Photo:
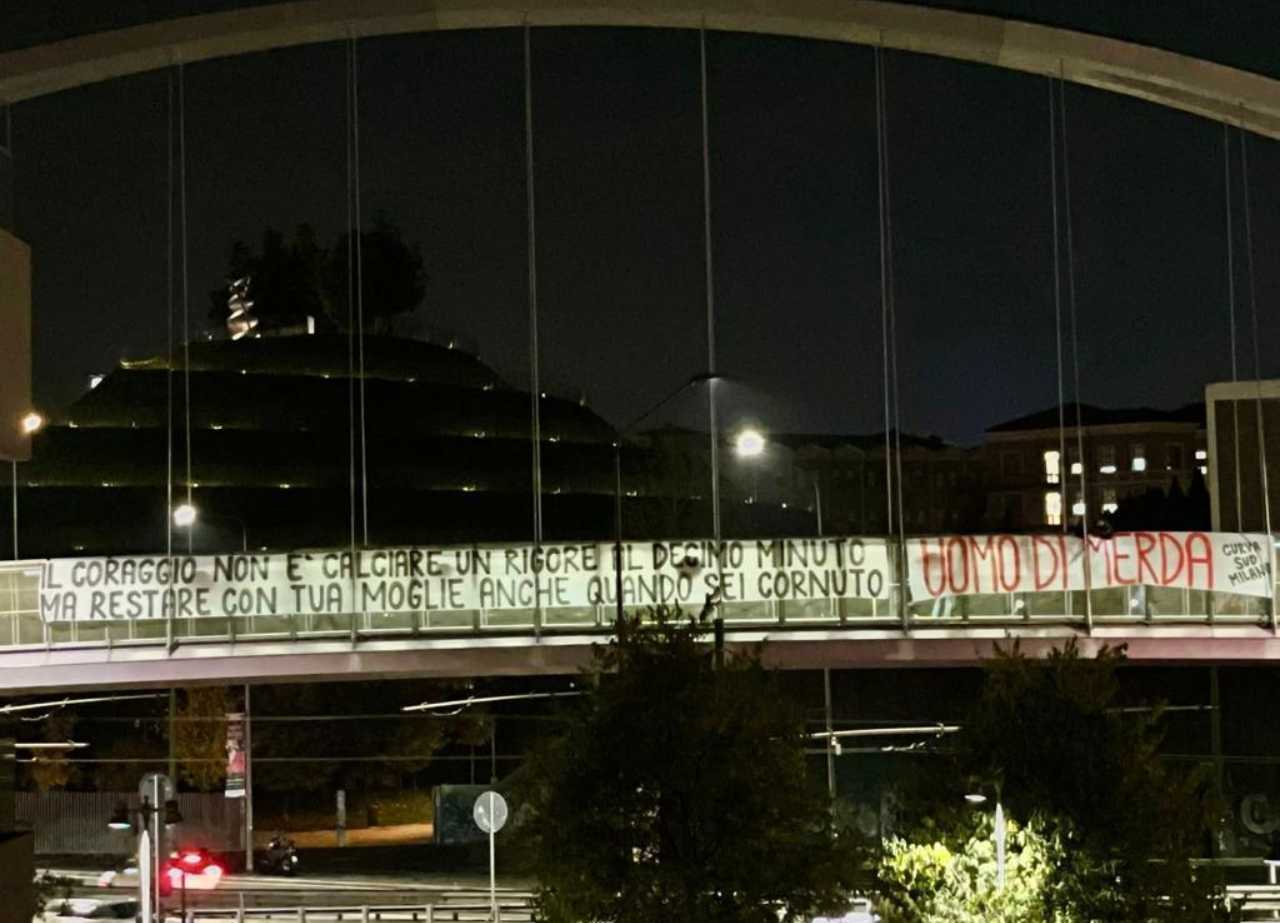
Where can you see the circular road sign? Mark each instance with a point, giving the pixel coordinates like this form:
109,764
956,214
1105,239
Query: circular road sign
490,812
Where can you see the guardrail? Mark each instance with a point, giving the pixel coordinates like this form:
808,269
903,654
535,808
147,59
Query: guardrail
512,911
770,597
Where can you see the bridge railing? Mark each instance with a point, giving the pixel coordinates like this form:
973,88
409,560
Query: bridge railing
43,606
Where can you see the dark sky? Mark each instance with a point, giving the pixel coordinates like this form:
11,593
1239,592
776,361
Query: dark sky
619,214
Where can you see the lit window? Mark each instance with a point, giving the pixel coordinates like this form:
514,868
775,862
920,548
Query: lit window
1201,454
1053,468
1107,469
1204,470
1139,460
1076,468
1077,508
1109,504
1107,456
1052,508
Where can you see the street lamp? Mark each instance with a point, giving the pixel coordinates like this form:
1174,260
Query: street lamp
749,443
976,797
32,423
700,378
185,516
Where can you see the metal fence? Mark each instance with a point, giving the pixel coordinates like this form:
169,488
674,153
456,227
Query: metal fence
75,823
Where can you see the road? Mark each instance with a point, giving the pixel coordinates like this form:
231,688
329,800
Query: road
448,893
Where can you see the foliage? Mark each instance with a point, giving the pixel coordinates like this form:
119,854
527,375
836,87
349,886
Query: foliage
1087,776
1159,509
296,279
200,736
679,792
933,882
51,768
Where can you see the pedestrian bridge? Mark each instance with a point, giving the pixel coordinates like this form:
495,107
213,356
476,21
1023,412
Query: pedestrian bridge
523,609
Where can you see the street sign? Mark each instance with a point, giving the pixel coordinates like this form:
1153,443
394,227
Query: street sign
156,788
490,812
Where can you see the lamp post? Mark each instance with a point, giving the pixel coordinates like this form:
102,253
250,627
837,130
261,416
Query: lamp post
700,378
185,516
978,797
30,424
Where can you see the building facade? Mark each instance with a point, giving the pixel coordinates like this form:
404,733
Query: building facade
1042,474
1244,446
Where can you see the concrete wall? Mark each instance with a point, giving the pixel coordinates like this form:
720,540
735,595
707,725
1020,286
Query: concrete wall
15,344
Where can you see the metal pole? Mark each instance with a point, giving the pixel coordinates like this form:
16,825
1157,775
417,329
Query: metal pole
831,758
156,844
817,501
1000,835
15,509
617,525
248,784
493,755
173,754
493,877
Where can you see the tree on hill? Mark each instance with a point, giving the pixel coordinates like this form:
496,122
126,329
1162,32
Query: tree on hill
678,791
291,280
1117,825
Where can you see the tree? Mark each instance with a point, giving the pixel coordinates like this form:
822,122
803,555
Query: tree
1088,778
50,768
290,281
200,736
679,792
957,883
393,281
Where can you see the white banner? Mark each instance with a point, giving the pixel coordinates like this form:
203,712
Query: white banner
957,565
421,579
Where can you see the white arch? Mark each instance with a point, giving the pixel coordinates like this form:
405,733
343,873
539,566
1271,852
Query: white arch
1177,81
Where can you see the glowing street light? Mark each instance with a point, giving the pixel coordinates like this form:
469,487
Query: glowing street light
184,515
32,423
749,443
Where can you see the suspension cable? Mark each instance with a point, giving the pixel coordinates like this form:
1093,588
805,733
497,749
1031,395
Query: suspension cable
168,502
1257,362
359,235
893,449
1075,346
1231,316
535,384
1063,509
884,308
352,231
186,292
709,268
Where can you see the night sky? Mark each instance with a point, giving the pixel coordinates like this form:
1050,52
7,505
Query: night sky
618,174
